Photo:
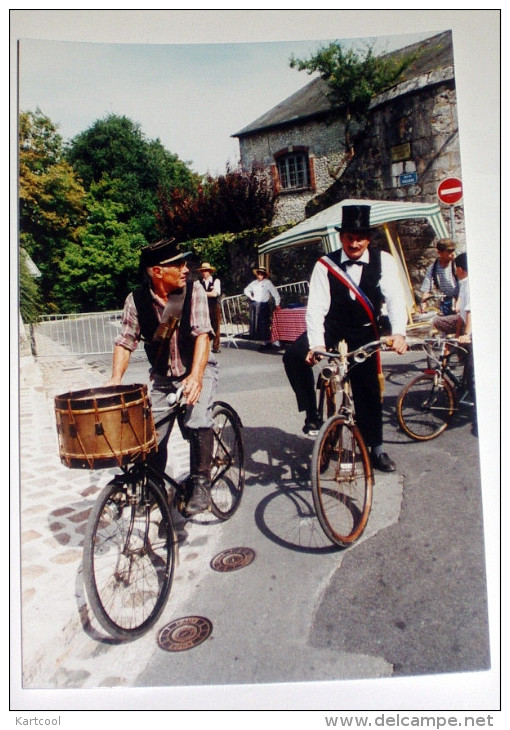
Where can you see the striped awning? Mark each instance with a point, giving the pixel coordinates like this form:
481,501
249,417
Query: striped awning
322,225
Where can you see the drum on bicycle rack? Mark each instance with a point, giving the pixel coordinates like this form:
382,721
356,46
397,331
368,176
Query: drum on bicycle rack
103,427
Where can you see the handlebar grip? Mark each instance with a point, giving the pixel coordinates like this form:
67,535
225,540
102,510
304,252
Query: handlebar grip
173,398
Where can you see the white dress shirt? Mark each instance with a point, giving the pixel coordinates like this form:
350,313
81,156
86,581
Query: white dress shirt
319,297
262,291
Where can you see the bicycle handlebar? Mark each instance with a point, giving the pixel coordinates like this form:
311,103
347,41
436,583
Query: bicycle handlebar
360,354
175,399
442,341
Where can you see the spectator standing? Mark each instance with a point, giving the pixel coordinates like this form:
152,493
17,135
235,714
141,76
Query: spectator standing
212,286
260,292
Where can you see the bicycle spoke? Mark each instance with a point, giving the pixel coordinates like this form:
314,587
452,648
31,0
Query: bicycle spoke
425,407
227,476
341,481
128,561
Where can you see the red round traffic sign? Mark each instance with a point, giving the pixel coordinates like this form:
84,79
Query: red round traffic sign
450,190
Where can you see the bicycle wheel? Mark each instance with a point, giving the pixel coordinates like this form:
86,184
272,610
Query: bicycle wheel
425,406
227,476
342,481
128,556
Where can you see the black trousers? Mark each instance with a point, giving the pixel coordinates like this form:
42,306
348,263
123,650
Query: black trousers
260,321
364,382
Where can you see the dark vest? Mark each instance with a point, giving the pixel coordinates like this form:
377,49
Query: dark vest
346,318
209,284
149,322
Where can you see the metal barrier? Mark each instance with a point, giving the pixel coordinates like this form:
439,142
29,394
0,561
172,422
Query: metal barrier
236,310
76,334
93,333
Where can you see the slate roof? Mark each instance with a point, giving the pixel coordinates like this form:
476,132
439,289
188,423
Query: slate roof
312,100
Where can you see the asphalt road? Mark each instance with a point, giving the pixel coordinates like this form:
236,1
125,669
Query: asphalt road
408,599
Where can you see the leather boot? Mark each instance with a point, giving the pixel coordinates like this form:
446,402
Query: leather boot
201,446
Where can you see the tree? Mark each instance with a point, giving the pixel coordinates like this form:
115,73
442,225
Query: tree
354,79
233,202
98,271
51,198
114,148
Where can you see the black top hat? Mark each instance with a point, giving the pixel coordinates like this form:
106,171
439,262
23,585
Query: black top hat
355,219
162,252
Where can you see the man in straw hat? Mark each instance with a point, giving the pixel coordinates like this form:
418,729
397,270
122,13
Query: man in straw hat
170,314
212,286
260,292
347,289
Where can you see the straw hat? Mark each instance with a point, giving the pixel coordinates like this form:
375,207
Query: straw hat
206,266
260,270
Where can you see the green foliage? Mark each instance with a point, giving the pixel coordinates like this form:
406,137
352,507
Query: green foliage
85,212
354,78
97,272
233,202
114,151
51,198
234,255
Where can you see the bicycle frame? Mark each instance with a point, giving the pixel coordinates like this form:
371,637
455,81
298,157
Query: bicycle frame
440,365
334,376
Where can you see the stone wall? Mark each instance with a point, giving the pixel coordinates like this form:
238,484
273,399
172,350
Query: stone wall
411,144
324,141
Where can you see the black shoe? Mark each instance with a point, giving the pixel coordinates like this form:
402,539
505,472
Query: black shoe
312,427
266,347
200,499
382,462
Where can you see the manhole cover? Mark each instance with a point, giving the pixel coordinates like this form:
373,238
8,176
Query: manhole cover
232,559
184,633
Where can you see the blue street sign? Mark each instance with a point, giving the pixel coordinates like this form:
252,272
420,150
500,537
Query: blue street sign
408,178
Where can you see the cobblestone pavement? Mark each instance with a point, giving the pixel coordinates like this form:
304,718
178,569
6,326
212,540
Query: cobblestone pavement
62,645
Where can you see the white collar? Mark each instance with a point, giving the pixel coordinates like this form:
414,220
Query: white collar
365,257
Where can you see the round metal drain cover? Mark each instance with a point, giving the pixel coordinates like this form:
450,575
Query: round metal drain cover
184,633
232,559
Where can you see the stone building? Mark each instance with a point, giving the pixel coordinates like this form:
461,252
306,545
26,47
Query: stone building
409,145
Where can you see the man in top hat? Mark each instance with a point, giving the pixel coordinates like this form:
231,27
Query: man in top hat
170,314
347,289
212,286
260,292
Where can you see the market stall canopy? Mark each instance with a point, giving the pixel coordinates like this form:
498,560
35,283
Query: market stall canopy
383,213
322,225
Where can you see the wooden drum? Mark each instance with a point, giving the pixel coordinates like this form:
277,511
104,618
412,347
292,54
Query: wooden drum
104,427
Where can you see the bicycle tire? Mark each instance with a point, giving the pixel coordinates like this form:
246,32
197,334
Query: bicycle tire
128,557
342,481
227,475
425,406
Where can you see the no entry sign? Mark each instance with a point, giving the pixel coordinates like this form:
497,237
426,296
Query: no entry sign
450,190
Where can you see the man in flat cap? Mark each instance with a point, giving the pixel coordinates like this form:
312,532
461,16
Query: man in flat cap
171,315
347,289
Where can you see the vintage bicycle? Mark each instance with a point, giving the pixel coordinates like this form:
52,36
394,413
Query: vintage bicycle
341,471
130,544
427,404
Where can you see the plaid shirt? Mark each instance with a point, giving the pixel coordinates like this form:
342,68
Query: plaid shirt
200,322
